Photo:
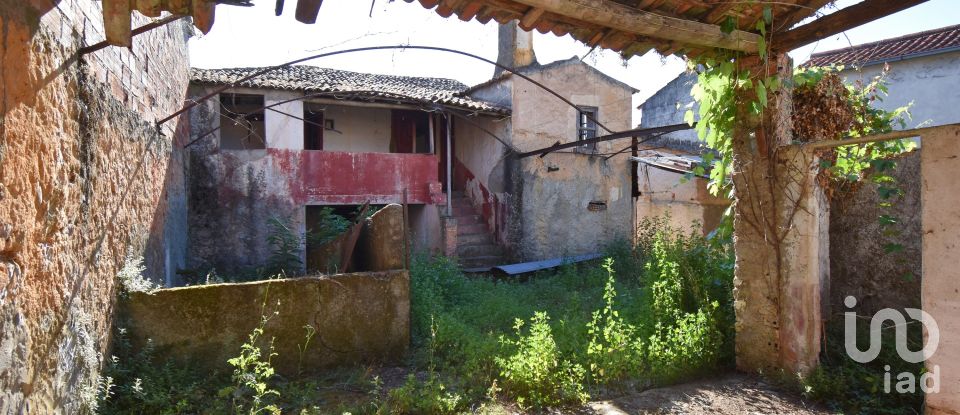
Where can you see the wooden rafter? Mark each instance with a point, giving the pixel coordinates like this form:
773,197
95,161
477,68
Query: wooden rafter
624,18
839,21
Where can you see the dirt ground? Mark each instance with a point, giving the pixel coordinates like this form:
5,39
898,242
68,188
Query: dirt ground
728,394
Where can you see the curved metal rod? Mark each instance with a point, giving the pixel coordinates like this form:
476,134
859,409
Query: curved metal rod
340,52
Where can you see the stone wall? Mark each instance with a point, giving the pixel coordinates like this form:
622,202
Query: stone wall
359,318
859,265
686,202
558,188
85,178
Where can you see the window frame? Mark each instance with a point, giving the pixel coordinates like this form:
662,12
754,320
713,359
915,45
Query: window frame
587,127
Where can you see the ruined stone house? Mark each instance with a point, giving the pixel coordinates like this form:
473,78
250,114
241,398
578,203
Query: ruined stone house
340,139
328,138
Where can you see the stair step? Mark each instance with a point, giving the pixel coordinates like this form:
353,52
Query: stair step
461,210
481,261
469,220
471,229
487,249
474,239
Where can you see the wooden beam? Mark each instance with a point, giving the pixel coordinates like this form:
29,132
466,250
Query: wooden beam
613,15
786,20
529,19
839,21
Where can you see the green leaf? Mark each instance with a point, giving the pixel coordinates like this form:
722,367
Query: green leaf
768,14
887,220
892,247
762,94
688,117
728,25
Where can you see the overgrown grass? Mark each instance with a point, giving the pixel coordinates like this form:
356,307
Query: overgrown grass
654,313
857,388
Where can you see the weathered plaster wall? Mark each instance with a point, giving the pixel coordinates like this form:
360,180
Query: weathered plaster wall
234,193
859,265
668,107
686,202
482,169
282,131
924,81
939,163
558,187
360,129
425,229
85,177
360,318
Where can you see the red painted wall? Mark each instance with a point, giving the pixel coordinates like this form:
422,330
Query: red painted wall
329,177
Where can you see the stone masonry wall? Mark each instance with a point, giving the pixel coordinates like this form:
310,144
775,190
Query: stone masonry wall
558,188
859,266
85,178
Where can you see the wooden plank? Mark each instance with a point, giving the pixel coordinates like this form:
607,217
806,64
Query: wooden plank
529,19
116,22
149,8
203,15
307,10
786,20
627,19
839,21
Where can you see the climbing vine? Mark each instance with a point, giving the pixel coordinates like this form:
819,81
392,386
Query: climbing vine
824,108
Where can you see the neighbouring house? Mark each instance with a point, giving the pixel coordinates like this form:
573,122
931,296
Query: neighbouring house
666,168
923,68
566,202
88,178
294,141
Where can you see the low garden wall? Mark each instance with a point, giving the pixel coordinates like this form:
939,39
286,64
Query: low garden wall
358,318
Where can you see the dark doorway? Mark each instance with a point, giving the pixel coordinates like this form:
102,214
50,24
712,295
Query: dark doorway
312,127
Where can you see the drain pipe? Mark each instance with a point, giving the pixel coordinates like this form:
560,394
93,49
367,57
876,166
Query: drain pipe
449,165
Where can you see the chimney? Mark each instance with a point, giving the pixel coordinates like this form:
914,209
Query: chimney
515,47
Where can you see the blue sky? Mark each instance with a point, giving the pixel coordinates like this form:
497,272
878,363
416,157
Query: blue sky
255,37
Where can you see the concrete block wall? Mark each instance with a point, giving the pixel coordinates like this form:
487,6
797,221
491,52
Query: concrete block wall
85,178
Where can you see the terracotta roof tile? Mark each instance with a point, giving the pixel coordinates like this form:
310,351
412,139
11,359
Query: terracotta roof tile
407,89
929,41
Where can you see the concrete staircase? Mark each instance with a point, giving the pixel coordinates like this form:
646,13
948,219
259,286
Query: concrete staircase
475,245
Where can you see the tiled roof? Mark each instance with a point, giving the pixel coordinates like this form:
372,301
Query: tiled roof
927,42
406,89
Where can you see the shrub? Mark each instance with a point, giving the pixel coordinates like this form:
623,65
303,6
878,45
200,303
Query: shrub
858,388
615,350
428,397
535,374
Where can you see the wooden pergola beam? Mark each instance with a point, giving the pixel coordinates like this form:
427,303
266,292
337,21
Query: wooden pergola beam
839,21
613,15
